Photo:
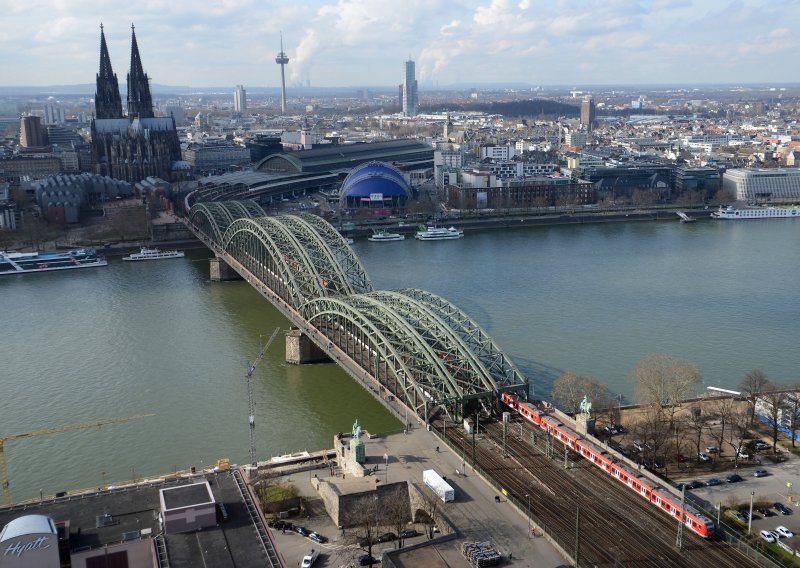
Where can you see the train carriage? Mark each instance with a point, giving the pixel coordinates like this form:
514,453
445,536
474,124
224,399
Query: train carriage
664,500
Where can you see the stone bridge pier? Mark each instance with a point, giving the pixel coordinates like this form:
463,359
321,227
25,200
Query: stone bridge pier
221,271
300,349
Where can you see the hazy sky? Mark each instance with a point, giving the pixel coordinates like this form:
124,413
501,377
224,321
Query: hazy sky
364,42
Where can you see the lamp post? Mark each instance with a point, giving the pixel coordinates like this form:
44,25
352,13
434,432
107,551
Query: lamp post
750,516
528,500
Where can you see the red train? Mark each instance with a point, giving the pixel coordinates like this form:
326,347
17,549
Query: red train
667,502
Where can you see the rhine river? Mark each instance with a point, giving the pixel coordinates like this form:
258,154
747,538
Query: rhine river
159,337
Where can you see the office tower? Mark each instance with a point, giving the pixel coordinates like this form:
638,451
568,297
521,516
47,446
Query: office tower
282,60
410,101
31,133
400,95
239,99
588,114
107,102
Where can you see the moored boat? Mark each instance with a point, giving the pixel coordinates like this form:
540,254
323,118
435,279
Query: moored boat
153,254
438,233
730,212
21,262
381,236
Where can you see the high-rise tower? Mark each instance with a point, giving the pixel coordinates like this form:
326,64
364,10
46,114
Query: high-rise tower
588,117
410,100
239,99
282,60
140,103
107,102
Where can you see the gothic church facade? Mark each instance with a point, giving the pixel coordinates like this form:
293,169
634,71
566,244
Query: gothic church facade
138,144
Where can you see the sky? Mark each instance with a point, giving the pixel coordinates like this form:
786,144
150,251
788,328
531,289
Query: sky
341,43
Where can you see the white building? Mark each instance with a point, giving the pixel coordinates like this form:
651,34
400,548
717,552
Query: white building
763,185
239,99
497,152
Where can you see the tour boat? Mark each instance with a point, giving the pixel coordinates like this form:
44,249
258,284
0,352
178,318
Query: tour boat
756,213
438,233
20,262
153,254
381,236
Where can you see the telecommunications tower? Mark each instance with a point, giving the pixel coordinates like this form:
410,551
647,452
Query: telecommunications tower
282,60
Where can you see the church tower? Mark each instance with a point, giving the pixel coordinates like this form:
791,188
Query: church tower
107,102
140,103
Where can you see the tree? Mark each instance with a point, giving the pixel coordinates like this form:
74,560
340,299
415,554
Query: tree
724,410
740,428
570,388
396,510
774,398
697,424
753,384
665,381
429,512
364,515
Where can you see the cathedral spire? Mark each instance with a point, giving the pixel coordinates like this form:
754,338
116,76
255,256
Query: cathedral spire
140,102
107,102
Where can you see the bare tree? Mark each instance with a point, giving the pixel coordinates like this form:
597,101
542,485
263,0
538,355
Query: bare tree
654,429
753,384
429,512
570,388
363,515
794,418
740,428
665,381
774,399
723,409
698,423
396,512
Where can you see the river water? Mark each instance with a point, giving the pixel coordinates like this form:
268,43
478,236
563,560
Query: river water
159,337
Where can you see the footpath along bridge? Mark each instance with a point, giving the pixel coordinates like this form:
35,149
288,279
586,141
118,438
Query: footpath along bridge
421,348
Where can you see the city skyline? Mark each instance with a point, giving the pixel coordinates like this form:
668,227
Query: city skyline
356,42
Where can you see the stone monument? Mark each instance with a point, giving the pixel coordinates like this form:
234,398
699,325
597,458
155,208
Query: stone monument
357,450
584,422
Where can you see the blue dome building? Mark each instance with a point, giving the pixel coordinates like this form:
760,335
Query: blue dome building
375,185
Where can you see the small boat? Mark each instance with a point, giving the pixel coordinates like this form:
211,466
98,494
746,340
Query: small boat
438,233
381,236
153,254
349,241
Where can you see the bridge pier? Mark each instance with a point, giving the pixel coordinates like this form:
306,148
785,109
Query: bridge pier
301,350
221,271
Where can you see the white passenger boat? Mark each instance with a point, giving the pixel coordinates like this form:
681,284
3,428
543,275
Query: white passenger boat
382,236
756,213
153,254
438,233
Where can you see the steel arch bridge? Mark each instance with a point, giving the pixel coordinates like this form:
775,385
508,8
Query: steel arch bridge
417,345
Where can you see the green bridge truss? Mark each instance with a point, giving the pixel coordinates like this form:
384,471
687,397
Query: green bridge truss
419,346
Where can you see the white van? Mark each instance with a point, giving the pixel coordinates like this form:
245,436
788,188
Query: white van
310,558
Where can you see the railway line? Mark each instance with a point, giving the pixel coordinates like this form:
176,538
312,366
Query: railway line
586,512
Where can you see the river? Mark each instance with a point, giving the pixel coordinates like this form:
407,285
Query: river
159,337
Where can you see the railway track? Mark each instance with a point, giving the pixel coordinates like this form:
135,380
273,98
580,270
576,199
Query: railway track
616,527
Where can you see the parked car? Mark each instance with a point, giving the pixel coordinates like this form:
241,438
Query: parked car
744,454
769,536
638,445
680,457
784,532
658,464
387,537
784,510
366,560
408,533
765,511
309,559
277,523
733,478
364,542
713,481
703,457
696,484
316,537
740,516
760,473
760,446
712,450
302,530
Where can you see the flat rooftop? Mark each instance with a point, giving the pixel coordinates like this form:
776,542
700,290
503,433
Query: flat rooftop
101,518
186,496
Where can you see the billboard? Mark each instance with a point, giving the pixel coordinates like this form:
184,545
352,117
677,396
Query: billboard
376,197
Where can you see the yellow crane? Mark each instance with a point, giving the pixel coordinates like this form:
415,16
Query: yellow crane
67,428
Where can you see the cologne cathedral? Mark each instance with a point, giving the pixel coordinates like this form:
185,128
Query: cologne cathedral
135,145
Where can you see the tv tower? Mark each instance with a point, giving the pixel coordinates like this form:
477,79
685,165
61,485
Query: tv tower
282,60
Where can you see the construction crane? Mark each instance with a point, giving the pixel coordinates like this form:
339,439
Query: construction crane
251,402
68,428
